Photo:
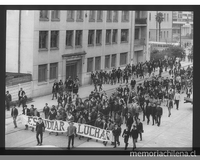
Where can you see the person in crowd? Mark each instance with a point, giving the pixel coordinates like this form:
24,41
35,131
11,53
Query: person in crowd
14,114
81,120
98,123
139,126
148,111
159,112
55,90
125,135
26,112
153,113
8,99
129,121
116,133
20,96
71,132
177,98
134,135
52,116
170,106
40,128
46,110
24,100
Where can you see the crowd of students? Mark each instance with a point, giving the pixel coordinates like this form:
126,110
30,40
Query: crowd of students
125,103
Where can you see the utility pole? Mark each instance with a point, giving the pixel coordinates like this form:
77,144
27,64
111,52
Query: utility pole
156,26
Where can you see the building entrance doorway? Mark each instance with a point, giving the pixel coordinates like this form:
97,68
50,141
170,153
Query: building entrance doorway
71,70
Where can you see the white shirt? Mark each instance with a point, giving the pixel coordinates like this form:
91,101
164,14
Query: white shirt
177,96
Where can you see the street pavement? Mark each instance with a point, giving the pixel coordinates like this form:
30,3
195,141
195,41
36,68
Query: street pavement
175,131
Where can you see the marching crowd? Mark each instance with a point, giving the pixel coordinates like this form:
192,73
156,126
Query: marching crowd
125,103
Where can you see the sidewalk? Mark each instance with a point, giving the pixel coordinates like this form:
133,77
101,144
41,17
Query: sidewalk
84,92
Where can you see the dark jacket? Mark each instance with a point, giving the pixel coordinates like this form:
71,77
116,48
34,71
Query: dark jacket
140,127
27,112
98,124
14,112
46,110
8,98
19,95
40,127
159,111
52,116
129,121
125,133
148,110
117,132
134,133
153,111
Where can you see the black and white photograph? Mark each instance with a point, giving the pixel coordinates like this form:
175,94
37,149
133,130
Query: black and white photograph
107,79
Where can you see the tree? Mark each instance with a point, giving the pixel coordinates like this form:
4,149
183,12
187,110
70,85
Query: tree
176,51
159,19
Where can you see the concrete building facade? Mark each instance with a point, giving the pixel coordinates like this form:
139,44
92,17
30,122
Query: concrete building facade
166,26
182,24
53,45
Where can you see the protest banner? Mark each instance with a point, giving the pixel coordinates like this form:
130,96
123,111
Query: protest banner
61,126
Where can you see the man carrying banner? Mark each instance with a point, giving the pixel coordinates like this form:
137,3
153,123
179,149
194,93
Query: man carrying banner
39,131
26,112
71,132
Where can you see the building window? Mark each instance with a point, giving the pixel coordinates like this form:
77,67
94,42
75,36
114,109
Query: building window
97,63
109,16
149,16
167,34
164,34
44,15
91,37
92,16
89,64
160,34
114,36
125,16
42,73
115,16
79,16
55,15
99,16
70,16
43,39
164,17
167,17
53,71
54,39
69,38
123,58
107,61
98,37
113,60
137,33
149,35
124,35
78,41
108,36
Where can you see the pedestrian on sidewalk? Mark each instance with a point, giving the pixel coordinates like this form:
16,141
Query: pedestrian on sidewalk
40,128
170,106
116,133
20,95
177,98
46,110
14,114
71,132
159,112
125,135
153,113
148,111
26,112
55,89
8,99
24,100
139,128
134,135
